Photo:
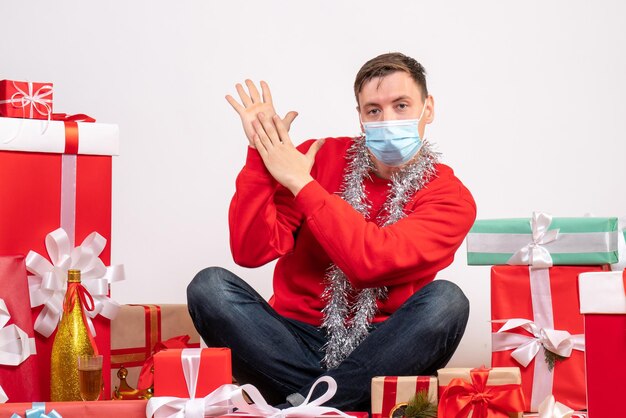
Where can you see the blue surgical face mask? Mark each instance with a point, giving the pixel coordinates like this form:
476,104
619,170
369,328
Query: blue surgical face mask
393,142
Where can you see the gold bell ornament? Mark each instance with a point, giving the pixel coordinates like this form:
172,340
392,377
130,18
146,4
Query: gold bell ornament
72,339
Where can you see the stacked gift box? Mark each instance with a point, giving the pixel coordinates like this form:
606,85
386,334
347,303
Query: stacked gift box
55,172
536,322
139,331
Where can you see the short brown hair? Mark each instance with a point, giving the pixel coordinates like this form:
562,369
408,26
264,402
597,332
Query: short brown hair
385,64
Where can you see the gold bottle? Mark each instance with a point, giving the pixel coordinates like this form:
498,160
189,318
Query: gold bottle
72,339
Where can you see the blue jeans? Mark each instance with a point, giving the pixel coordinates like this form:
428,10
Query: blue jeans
281,356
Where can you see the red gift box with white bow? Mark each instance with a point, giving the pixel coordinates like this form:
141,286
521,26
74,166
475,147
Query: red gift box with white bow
58,174
537,327
25,99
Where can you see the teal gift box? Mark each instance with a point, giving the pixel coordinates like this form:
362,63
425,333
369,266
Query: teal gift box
542,241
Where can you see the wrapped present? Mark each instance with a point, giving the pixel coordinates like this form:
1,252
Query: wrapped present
46,181
542,241
212,365
140,330
480,393
100,409
537,327
227,398
18,366
603,303
24,99
390,394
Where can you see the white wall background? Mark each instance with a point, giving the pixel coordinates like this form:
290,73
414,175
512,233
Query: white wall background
530,101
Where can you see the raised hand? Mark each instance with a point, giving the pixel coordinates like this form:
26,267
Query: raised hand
253,103
283,160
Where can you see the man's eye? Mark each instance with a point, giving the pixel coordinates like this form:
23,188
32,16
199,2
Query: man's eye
402,106
372,112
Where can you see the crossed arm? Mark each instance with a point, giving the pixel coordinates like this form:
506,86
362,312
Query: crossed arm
269,134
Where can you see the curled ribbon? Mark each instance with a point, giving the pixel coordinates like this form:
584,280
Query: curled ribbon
460,398
534,254
549,408
39,411
48,284
222,400
15,346
526,348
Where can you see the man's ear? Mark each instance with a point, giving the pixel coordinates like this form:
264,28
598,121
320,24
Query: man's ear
358,111
429,113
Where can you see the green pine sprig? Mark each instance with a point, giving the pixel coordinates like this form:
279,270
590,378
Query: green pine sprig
419,406
552,358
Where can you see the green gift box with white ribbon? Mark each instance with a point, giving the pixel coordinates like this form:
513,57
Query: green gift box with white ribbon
542,241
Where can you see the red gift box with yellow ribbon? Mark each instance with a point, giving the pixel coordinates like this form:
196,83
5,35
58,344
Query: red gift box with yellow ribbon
25,99
56,174
482,392
537,327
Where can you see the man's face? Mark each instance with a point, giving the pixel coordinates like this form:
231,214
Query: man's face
394,97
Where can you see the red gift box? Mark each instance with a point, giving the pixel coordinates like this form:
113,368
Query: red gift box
214,371
99,409
546,302
41,191
23,99
18,381
481,393
603,303
392,392
140,330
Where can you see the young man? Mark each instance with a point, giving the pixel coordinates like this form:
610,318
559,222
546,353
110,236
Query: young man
360,228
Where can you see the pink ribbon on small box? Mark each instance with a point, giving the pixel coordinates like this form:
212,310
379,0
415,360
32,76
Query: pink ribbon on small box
34,101
224,399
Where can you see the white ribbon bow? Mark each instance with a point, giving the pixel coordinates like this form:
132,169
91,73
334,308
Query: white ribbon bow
534,254
549,408
307,409
30,99
222,400
48,284
526,348
15,345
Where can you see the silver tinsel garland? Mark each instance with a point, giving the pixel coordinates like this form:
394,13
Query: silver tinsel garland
347,324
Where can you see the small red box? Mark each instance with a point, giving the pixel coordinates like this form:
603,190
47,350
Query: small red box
23,99
169,380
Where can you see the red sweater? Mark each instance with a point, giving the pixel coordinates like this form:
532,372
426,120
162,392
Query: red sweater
316,228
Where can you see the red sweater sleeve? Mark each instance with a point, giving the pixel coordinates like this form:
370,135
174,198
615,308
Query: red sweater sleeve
262,217
418,245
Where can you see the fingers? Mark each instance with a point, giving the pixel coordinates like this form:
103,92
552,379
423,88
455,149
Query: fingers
268,128
314,148
235,104
267,95
289,118
254,93
245,99
281,129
